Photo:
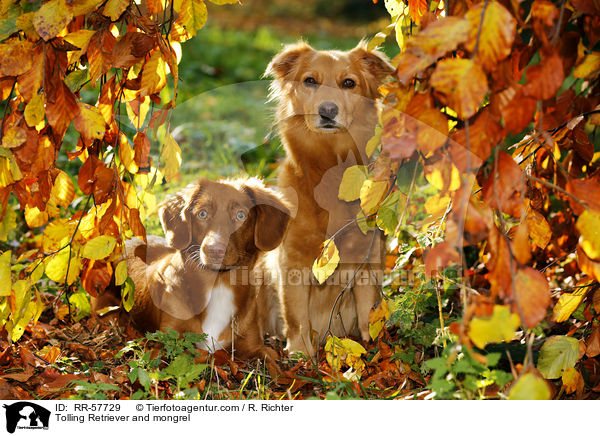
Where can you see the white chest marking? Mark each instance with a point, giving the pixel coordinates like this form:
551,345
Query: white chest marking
219,311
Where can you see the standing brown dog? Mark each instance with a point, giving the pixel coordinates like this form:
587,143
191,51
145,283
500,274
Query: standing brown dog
200,278
326,115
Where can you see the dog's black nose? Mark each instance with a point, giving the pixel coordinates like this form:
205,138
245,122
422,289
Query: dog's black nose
328,110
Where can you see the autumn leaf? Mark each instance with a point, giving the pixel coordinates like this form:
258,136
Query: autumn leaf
193,13
57,266
327,261
99,247
171,154
35,110
114,8
63,191
128,294
544,78
52,18
539,229
14,137
63,109
352,181
494,36
15,57
529,387
463,84
533,295
121,273
89,122
567,304
501,326
377,318
154,74
5,278
371,195
588,225
571,379
557,354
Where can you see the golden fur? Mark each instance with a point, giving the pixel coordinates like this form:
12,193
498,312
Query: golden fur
325,123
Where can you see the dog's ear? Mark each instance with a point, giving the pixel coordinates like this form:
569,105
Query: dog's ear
175,217
373,61
272,215
284,62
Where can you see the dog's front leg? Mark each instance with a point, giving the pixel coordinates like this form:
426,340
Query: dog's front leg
366,294
294,294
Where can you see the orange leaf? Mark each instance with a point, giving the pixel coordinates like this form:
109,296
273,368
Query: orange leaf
463,84
496,36
502,189
432,130
586,190
533,294
439,38
439,257
99,54
593,343
484,134
62,110
15,57
141,145
518,112
544,78
135,224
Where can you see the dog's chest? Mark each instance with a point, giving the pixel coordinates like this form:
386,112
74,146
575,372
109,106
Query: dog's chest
217,319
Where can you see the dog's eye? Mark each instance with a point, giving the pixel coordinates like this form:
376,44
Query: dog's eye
348,83
203,214
310,81
241,215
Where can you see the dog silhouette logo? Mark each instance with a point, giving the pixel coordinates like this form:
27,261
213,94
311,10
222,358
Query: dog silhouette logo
26,415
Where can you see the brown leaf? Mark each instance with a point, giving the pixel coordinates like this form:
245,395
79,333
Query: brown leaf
432,130
586,190
462,83
544,78
502,189
518,112
439,257
100,54
496,36
131,49
484,134
62,110
136,225
499,265
593,343
141,145
533,294
31,81
95,277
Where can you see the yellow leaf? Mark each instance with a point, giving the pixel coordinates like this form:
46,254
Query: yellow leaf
35,111
437,205
589,66
374,142
89,122
56,266
327,261
352,182
8,223
377,318
52,18
588,225
137,110
571,379
566,305
444,177
63,191
15,56
539,230
501,326
128,294
344,351
127,155
57,234
82,7
81,39
35,271
99,247
463,83
154,74
14,137
114,8
121,273
193,13
171,153
9,170
35,217
371,194
529,387
5,278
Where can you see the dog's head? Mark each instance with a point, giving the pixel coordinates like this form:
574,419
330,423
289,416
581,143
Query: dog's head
224,224
330,90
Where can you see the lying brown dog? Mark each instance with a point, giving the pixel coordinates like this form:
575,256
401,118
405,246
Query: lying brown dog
197,280
326,115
